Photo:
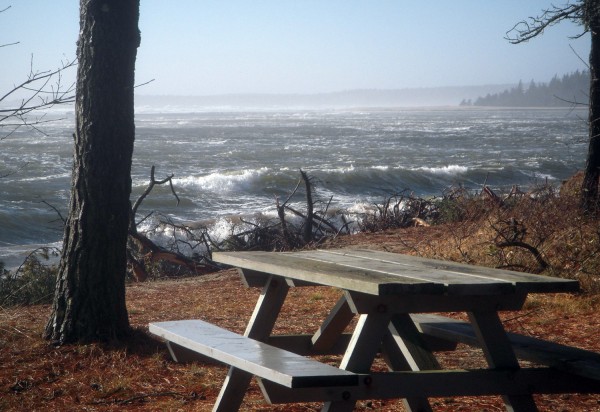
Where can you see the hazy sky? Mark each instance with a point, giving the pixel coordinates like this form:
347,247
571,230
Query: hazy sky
204,47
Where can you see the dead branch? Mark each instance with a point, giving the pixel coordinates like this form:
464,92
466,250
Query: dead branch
511,233
533,250
308,222
142,249
45,251
526,30
157,253
489,194
194,241
138,270
60,216
315,217
153,182
9,44
281,215
325,214
44,90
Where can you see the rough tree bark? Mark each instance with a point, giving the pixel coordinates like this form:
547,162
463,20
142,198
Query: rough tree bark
590,196
89,303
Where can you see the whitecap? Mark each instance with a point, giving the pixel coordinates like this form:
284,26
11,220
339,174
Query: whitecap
444,170
221,181
341,169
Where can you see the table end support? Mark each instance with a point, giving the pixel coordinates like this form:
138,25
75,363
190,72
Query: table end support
499,353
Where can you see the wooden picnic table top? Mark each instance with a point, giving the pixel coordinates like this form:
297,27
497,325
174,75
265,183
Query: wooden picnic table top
383,273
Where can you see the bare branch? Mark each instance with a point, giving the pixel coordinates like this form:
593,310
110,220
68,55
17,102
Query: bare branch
528,29
44,89
153,182
143,84
60,216
571,102
9,44
587,63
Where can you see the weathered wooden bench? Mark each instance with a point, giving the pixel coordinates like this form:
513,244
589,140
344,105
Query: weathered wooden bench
257,358
564,358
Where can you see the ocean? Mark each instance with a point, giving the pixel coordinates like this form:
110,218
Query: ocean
229,162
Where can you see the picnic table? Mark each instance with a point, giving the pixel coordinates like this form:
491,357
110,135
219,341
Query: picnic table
394,297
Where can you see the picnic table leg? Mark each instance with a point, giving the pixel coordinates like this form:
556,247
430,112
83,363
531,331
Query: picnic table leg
361,351
499,354
404,349
260,326
333,326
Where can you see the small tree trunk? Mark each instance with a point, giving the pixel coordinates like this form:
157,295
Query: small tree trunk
89,302
589,193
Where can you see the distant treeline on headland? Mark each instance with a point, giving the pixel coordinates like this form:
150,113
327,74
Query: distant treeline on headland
570,89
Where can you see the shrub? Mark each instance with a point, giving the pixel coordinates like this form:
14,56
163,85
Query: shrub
32,283
397,211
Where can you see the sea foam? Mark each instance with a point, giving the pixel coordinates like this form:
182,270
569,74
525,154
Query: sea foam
221,181
444,170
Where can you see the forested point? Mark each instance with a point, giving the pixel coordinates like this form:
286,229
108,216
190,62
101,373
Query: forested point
571,89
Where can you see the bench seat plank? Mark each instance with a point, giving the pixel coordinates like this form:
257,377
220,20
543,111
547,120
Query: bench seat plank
565,358
259,359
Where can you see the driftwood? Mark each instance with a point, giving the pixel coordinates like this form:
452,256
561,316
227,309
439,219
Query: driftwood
142,250
308,221
489,194
155,253
400,210
284,234
138,202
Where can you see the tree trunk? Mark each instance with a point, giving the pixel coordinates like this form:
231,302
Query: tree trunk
589,193
89,303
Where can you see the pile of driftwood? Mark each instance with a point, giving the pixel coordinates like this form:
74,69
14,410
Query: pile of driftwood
294,227
307,223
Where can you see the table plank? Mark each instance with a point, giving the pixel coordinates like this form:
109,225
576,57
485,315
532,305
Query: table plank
384,273
524,282
455,282
290,265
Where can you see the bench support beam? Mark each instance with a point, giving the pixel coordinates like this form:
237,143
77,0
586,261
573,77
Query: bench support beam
438,384
259,328
405,349
364,345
